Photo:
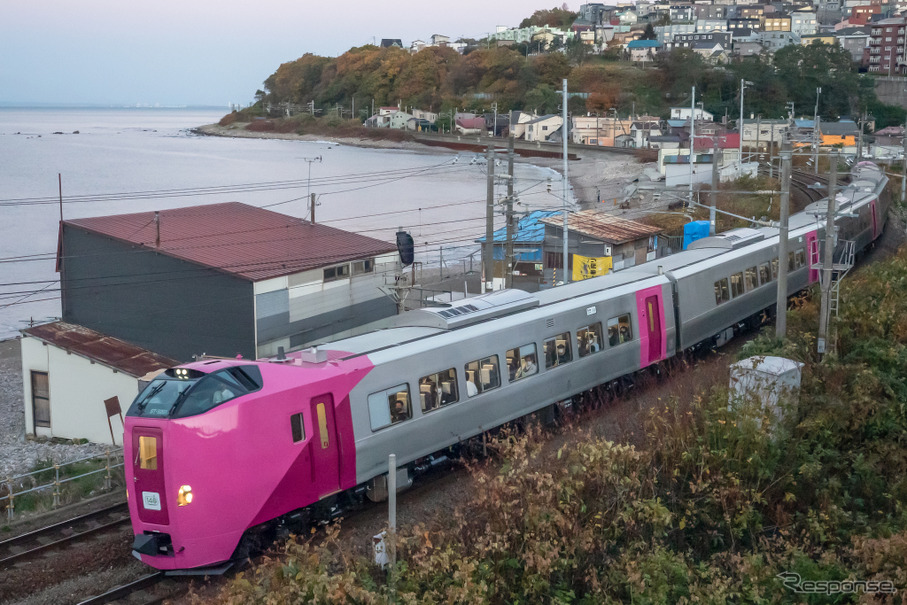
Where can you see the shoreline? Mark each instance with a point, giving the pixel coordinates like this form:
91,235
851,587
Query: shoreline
593,174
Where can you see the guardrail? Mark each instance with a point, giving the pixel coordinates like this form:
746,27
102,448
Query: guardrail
27,483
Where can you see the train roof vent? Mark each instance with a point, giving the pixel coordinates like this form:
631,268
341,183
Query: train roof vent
469,310
730,240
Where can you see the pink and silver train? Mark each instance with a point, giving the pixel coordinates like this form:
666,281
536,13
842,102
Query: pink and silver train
222,451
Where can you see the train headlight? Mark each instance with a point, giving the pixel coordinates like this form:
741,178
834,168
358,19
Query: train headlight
184,496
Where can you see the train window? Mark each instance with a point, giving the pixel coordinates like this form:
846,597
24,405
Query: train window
800,257
736,285
557,350
619,330
482,375
722,291
297,427
522,361
438,389
750,280
589,339
774,269
389,406
765,274
148,453
790,261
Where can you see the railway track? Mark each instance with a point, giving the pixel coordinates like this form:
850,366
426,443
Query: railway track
150,589
22,547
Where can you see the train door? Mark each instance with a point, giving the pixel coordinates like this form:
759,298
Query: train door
875,220
148,475
812,245
652,344
325,456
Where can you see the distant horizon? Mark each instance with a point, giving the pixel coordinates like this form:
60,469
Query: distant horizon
54,105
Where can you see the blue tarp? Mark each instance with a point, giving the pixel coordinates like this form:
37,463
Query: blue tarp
529,229
694,231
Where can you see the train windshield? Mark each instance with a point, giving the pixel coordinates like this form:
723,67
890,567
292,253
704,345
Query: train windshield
180,392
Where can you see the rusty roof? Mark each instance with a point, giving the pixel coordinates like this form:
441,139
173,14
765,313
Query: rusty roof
103,349
236,238
604,227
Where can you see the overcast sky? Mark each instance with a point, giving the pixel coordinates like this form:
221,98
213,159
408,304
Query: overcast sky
205,52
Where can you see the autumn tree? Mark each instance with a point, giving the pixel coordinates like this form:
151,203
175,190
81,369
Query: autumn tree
561,17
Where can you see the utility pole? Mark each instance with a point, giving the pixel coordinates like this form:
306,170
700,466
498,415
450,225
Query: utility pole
60,187
488,280
511,227
781,301
715,168
860,139
828,260
566,186
904,173
817,140
308,185
312,205
692,139
771,154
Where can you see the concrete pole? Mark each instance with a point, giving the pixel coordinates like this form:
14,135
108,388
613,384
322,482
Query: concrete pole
771,154
740,126
781,301
714,196
904,173
692,139
488,250
511,226
828,260
391,521
818,140
565,130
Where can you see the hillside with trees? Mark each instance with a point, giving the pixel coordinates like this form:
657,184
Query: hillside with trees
439,79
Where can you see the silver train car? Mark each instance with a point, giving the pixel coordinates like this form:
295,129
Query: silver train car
443,375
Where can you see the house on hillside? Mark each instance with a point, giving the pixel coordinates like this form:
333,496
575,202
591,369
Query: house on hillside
643,50
473,125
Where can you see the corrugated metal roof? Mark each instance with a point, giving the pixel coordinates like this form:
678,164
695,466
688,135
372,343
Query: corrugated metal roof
604,227
235,238
109,351
529,230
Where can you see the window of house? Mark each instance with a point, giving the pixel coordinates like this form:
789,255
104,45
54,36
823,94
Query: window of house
297,428
619,330
557,350
722,291
482,375
363,266
438,389
522,361
338,272
589,339
389,406
40,398
750,280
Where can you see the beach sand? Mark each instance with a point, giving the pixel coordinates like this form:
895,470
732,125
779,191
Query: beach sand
599,178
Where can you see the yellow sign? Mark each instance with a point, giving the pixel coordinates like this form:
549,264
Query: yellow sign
585,267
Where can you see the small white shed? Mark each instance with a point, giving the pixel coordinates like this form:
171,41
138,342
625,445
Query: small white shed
766,379
70,377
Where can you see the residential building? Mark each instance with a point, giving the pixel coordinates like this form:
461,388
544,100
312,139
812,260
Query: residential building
399,119
708,12
712,38
599,130
804,22
744,23
683,113
711,25
528,242
643,129
864,13
222,279
542,127
440,40
712,52
78,383
391,43
665,33
829,39
760,134
643,50
776,23
855,40
682,13
473,125
774,41
886,45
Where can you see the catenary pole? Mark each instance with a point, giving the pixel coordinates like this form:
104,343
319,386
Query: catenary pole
565,130
828,254
511,228
489,224
781,301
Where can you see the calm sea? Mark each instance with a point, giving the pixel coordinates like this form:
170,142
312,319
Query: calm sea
117,161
